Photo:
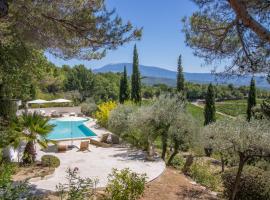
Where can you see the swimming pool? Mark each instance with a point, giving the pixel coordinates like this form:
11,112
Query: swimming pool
69,128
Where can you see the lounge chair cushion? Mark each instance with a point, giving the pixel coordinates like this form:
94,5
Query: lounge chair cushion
62,147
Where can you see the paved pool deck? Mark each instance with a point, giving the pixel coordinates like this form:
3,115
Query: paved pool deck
98,163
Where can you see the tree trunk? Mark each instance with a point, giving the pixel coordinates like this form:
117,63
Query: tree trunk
29,155
150,150
242,13
164,145
189,162
238,177
222,163
175,152
3,8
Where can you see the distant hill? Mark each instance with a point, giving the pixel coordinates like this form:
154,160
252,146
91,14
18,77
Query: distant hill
155,75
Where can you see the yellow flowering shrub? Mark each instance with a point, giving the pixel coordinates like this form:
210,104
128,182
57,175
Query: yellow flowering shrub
103,112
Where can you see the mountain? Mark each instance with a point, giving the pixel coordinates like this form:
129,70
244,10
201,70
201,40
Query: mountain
145,70
154,75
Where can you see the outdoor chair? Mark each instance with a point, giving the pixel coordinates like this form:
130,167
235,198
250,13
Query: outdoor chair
72,114
84,146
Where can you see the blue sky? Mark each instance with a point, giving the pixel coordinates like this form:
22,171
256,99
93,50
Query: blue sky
162,39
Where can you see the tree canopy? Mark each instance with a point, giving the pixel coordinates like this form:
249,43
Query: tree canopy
68,29
180,82
233,31
124,88
210,109
136,95
251,99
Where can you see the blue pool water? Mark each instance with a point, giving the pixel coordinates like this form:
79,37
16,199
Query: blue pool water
69,129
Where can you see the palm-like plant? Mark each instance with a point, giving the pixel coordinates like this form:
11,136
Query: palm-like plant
35,129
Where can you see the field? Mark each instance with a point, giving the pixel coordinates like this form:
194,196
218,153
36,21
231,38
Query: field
234,107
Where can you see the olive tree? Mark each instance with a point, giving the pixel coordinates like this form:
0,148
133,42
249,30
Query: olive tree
165,110
119,118
182,132
142,129
247,140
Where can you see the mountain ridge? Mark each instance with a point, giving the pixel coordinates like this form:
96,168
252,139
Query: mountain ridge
161,75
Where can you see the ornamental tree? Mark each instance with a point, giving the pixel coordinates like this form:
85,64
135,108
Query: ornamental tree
164,112
251,99
247,140
180,85
209,109
181,133
136,78
124,88
103,112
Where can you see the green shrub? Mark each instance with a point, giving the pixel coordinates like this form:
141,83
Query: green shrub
254,184
201,173
125,185
6,171
77,188
88,108
50,161
178,162
9,190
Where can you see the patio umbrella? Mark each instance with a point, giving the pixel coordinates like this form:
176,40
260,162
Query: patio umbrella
60,101
38,101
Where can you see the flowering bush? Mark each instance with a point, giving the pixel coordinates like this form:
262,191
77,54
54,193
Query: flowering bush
103,112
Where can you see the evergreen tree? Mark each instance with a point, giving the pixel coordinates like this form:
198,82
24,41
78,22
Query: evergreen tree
251,99
210,109
136,79
124,89
180,76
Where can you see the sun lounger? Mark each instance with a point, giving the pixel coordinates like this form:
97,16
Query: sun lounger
62,148
99,144
72,114
84,146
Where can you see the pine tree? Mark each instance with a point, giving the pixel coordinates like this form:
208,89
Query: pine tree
210,109
251,99
124,89
136,79
180,76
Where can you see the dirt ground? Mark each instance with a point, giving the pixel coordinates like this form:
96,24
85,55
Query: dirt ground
23,173
172,185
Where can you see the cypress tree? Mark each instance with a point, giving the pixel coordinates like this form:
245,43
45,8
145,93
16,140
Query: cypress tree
210,109
251,99
135,78
180,76
124,90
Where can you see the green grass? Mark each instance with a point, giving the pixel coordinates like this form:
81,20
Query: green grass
197,113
